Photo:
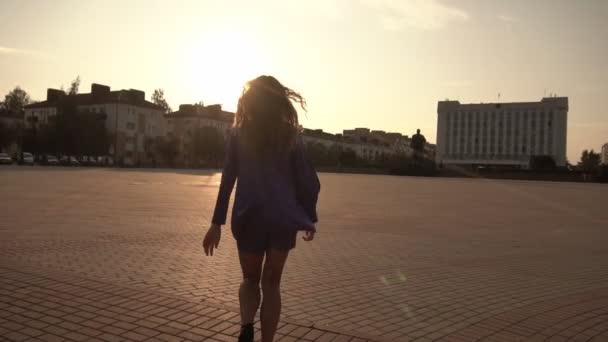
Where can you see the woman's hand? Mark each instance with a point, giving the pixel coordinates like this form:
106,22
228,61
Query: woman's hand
309,235
212,239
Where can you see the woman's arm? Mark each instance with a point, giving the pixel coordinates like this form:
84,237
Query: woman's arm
306,181
229,175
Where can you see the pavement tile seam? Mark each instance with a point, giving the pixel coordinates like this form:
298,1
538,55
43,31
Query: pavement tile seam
28,272
513,326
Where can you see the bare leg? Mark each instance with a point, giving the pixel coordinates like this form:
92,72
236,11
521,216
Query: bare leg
249,292
271,288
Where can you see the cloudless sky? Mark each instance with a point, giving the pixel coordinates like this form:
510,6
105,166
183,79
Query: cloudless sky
381,64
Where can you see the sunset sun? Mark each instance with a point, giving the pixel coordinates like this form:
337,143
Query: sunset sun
219,63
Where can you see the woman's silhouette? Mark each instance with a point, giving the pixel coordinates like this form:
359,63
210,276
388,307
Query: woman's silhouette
276,196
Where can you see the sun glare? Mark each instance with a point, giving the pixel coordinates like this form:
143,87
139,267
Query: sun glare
219,63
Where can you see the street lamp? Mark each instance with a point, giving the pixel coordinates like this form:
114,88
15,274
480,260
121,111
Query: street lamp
118,97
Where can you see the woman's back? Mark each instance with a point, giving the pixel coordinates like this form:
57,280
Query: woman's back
267,186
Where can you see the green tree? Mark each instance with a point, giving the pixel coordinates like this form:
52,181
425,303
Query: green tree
158,97
74,86
92,133
167,148
207,146
317,153
16,99
348,157
66,125
333,155
542,162
8,135
590,161
78,133
47,139
30,141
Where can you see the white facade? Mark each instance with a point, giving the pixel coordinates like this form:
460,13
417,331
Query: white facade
367,151
604,156
501,133
129,121
134,125
181,125
39,115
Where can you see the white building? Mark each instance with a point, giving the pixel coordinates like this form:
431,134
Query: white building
501,133
367,145
190,117
604,155
130,119
183,123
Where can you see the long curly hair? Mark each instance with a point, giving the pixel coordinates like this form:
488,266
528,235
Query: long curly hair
266,117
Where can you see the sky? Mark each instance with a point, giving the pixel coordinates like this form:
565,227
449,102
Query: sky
381,64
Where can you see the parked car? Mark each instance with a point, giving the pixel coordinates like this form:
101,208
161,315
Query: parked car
69,161
92,161
5,159
28,159
106,161
87,161
49,160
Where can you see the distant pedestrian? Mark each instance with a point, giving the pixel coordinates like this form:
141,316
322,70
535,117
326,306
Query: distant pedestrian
417,144
276,197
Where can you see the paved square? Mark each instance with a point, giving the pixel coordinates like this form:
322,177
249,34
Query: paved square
115,255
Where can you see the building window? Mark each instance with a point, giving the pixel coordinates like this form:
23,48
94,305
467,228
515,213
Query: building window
130,125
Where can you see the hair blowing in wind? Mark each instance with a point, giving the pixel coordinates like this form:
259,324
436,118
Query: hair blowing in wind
266,116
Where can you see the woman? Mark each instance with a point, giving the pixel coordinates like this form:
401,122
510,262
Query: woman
276,196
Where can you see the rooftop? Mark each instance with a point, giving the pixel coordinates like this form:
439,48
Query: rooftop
198,111
559,102
100,94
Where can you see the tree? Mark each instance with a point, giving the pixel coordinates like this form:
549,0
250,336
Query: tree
78,133
30,141
16,99
317,153
158,97
167,148
542,162
92,134
8,135
590,161
74,85
333,155
47,139
207,146
348,157
66,126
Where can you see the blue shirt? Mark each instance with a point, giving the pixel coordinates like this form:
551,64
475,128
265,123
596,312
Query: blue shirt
280,190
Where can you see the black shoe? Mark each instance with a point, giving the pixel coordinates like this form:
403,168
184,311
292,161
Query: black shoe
246,333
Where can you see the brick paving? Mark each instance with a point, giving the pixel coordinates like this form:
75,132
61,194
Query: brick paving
54,306
396,259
